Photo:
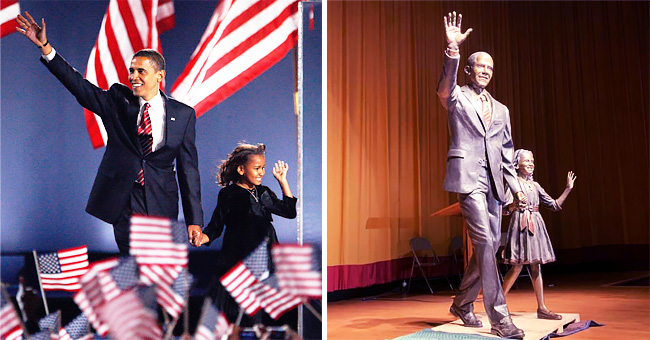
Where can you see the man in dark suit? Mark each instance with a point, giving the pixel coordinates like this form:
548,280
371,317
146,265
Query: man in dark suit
479,159
150,138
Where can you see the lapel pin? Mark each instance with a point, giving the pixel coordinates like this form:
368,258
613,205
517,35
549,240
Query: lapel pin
173,119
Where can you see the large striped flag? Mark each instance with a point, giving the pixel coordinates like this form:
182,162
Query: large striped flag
166,18
10,325
213,324
243,39
9,10
127,27
61,270
294,267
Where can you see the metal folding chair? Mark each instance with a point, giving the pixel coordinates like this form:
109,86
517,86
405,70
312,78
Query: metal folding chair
422,246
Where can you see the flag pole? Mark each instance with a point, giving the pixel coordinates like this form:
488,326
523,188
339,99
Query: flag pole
239,316
186,313
40,282
165,317
313,310
170,327
300,138
300,120
186,323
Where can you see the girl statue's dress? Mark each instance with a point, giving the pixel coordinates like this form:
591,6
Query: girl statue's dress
527,240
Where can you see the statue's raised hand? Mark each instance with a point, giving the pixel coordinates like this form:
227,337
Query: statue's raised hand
454,35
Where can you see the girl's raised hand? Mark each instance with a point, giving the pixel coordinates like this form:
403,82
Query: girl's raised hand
570,179
280,170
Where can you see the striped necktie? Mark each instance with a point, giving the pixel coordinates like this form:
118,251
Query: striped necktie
145,137
487,110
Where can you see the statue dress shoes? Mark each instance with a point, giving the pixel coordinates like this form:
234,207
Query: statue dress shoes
469,319
548,315
507,330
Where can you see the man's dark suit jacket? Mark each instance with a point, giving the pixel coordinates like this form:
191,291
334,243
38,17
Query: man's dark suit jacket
123,158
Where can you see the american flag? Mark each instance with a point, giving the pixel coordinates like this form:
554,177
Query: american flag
9,10
165,19
77,329
129,318
10,326
61,270
44,335
160,258
108,284
274,300
271,298
251,285
160,249
244,274
294,267
91,295
237,282
125,274
243,39
126,29
258,260
213,324
173,298
50,322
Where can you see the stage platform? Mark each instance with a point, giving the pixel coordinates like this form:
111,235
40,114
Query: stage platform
534,328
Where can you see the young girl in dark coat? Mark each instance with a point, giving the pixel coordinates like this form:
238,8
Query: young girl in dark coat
244,209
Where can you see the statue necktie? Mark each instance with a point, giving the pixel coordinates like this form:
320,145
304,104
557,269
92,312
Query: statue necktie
487,110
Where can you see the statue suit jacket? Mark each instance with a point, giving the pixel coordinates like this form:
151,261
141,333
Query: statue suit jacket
123,158
470,140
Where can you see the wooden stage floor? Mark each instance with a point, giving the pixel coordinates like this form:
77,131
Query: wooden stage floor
625,311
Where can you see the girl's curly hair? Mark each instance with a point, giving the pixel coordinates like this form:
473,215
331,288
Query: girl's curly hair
240,156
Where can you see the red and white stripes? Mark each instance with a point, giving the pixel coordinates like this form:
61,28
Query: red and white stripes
243,39
9,10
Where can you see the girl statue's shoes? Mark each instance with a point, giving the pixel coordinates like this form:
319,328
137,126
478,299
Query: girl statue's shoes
542,314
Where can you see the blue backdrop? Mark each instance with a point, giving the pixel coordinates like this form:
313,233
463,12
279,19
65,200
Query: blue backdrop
48,164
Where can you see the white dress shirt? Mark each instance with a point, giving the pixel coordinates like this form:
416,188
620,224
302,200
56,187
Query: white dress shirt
157,116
